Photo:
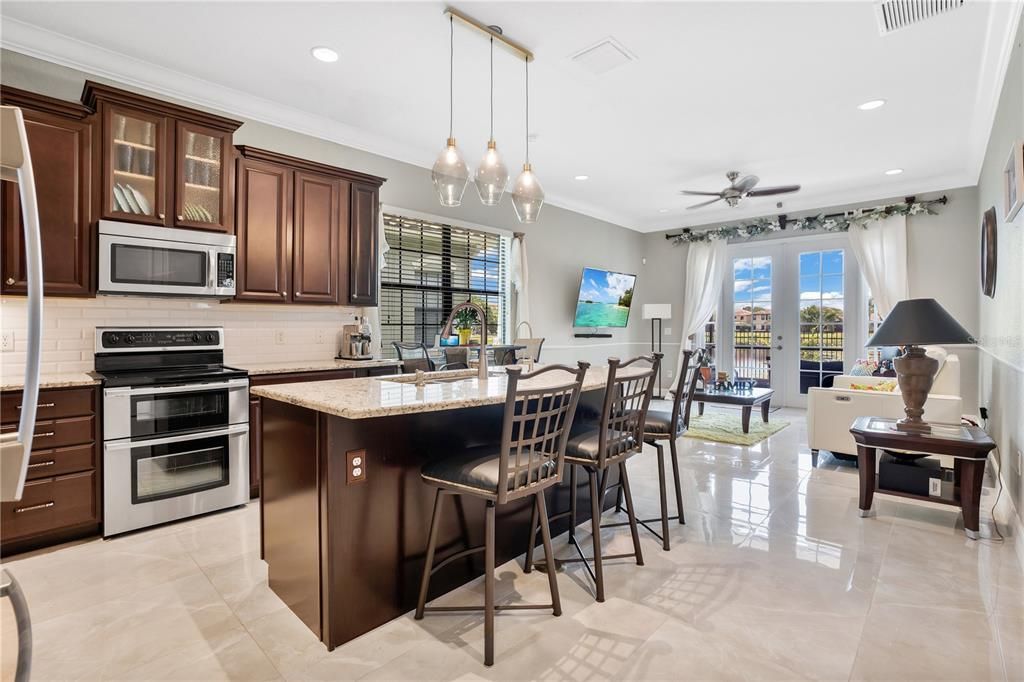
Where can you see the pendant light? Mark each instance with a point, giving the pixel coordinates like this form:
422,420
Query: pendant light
492,174
450,173
527,194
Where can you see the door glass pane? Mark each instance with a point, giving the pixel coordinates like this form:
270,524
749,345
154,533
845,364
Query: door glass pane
752,318
821,316
175,469
174,412
135,165
202,165
149,265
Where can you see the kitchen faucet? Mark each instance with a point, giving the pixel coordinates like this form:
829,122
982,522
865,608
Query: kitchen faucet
482,316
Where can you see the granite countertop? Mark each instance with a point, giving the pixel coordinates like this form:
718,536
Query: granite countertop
364,398
310,365
62,380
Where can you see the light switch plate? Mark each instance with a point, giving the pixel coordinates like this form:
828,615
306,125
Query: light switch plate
6,341
668,331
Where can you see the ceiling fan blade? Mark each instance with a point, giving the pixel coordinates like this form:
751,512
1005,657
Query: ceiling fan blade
769,191
746,184
701,194
704,203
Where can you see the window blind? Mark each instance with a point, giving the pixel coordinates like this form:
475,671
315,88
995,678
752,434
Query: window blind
431,267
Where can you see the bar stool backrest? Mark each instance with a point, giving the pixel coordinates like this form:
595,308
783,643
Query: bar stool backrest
626,399
683,393
539,411
413,356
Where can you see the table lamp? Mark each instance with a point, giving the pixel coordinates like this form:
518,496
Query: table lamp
656,312
914,323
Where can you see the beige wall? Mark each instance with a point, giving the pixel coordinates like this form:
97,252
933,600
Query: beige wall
558,246
1001,319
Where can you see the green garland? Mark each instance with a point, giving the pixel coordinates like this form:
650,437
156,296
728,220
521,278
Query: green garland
820,222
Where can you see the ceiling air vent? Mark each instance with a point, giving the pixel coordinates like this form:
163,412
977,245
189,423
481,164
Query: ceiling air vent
896,14
603,56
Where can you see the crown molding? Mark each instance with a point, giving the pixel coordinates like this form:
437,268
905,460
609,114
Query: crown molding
1003,21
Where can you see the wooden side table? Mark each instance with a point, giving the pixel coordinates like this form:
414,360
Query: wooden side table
968,445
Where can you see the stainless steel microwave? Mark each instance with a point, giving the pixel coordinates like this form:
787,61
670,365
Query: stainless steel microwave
163,261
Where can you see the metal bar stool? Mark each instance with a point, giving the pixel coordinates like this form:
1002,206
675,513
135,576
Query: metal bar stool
539,409
616,437
659,427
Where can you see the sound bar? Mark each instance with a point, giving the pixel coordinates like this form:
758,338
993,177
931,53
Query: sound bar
593,335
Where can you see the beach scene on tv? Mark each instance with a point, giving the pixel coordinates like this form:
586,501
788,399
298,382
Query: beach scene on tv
604,299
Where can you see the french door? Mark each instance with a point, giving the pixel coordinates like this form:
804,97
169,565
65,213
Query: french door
791,315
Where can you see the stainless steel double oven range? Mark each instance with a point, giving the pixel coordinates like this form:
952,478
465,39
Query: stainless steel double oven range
175,425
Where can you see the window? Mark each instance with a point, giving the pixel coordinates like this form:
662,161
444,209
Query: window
709,340
752,318
430,268
821,316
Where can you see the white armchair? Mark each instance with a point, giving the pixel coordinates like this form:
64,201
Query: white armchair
831,411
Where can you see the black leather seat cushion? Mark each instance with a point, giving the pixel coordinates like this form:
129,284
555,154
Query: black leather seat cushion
659,423
474,468
585,445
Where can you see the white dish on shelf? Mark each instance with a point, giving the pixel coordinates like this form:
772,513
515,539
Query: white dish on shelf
129,197
120,202
142,202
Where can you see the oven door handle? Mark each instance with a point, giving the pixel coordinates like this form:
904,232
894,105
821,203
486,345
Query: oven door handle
237,430
190,388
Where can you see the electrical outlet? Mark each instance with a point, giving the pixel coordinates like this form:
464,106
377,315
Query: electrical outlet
6,341
668,331
279,337
667,372
356,469
320,336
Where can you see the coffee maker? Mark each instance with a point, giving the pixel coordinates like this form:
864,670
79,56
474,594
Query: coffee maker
355,342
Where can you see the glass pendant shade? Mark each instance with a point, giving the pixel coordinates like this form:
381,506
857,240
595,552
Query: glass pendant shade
527,196
491,176
450,175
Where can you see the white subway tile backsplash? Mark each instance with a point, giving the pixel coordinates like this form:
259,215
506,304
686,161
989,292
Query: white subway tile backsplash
250,329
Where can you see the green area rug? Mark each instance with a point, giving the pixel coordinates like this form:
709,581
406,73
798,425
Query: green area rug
727,427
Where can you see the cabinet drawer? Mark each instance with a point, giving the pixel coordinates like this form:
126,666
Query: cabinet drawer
50,504
60,461
52,404
59,433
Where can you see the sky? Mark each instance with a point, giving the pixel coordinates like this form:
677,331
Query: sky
821,277
601,286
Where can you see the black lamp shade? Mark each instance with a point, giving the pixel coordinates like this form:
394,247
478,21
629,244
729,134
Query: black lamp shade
919,322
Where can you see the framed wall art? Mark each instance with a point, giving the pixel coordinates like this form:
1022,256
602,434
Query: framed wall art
989,243
1013,182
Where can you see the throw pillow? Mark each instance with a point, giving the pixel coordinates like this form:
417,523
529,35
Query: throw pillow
881,386
863,368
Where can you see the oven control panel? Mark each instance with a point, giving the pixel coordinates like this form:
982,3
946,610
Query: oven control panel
125,339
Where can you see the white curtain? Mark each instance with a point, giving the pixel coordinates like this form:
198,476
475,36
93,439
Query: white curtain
704,275
881,251
372,314
520,276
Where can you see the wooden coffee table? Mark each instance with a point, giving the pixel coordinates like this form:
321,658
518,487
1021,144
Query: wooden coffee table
968,445
745,399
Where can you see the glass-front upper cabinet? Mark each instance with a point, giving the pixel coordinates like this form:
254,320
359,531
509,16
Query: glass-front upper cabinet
162,163
203,178
136,166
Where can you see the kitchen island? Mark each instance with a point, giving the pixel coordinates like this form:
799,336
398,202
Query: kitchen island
344,512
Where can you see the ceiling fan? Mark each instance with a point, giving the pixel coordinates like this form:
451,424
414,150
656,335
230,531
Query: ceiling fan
738,189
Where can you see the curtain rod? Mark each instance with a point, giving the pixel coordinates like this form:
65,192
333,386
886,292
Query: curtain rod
783,218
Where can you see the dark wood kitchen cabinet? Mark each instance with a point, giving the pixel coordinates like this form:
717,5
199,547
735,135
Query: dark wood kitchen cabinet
62,497
363,265
161,163
295,224
60,139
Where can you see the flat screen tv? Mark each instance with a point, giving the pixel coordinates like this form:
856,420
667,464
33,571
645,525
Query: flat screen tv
604,299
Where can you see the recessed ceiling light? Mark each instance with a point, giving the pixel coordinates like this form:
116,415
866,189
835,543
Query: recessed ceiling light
582,177
662,210
324,54
894,171
871,104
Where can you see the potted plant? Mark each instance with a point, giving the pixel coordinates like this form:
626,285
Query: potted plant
464,320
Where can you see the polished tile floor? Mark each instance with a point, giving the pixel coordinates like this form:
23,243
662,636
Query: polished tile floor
774,577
